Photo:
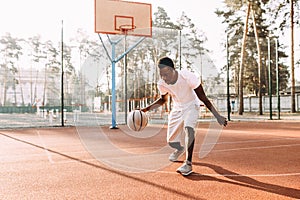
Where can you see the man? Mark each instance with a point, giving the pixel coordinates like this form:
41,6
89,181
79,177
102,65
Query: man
186,91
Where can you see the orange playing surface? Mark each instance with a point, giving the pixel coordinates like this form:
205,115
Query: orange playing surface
251,160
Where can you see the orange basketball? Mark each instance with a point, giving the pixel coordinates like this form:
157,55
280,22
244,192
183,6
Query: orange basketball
137,120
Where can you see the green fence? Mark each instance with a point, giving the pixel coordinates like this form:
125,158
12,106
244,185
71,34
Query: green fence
31,109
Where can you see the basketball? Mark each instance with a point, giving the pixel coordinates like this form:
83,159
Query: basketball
137,120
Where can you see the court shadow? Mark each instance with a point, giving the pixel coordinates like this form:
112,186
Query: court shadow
244,181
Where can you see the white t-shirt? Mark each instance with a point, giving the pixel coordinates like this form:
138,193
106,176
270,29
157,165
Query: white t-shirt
182,92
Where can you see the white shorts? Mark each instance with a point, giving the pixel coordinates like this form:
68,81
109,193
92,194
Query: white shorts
179,119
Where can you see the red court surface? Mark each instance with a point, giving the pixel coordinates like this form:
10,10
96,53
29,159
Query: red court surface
250,160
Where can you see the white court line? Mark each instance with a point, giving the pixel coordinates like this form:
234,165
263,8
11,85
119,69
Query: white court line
253,141
44,146
173,172
76,161
35,155
163,154
238,175
212,175
248,132
213,151
261,147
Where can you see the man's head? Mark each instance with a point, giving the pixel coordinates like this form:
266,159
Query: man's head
167,70
165,62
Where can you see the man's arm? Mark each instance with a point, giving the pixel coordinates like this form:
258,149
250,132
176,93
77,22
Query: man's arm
156,104
202,96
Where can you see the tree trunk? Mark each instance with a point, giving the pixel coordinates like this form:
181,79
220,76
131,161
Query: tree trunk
31,86
45,86
259,62
21,87
35,86
5,86
293,103
15,92
241,72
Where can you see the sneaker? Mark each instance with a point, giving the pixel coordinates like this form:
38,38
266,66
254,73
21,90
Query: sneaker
185,169
175,155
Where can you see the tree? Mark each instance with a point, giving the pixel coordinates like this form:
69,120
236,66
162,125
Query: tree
38,54
163,39
242,56
192,41
252,69
172,39
293,102
256,33
69,73
90,53
161,19
11,52
52,69
283,14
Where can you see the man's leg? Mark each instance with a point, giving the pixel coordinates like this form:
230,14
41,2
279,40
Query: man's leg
176,145
175,129
186,168
190,117
189,142
179,149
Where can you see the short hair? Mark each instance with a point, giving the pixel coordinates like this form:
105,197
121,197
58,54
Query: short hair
165,62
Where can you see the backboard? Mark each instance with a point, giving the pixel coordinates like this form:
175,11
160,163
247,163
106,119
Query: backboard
123,17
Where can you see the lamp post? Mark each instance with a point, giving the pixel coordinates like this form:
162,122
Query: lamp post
62,73
277,79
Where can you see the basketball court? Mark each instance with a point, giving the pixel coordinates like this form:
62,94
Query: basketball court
250,160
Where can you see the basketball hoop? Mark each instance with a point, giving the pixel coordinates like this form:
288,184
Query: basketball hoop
123,17
125,28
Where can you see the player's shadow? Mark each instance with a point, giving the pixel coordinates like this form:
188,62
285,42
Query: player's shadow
244,181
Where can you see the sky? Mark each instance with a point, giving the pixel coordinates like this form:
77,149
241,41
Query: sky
26,18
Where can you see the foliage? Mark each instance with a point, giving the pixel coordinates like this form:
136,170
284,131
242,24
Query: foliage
233,16
45,57
11,51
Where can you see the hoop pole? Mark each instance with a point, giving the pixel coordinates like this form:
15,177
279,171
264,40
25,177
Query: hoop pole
114,60
113,90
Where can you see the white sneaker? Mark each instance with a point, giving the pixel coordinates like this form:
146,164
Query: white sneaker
175,155
185,169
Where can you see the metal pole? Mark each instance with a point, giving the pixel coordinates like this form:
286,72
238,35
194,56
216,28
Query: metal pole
125,79
270,77
114,60
277,79
113,90
62,74
180,49
228,92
